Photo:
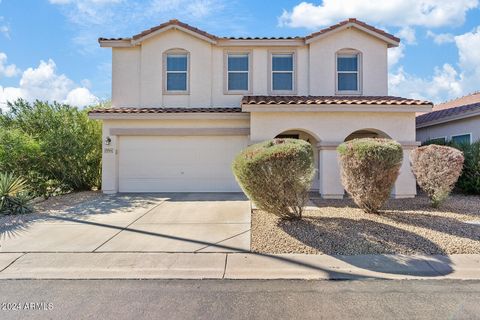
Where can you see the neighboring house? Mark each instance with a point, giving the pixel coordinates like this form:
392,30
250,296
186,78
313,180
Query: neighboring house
456,120
185,102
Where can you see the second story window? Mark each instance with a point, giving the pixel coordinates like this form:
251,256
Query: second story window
237,72
348,73
177,72
282,72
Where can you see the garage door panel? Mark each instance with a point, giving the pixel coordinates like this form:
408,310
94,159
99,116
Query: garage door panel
176,164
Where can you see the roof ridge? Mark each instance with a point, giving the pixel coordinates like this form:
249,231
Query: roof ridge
214,37
458,98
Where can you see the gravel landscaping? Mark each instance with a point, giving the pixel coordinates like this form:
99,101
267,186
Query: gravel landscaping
405,226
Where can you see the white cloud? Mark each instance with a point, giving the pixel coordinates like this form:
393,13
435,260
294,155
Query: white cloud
395,55
7,70
44,83
400,13
447,81
407,34
81,97
4,28
445,84
441,38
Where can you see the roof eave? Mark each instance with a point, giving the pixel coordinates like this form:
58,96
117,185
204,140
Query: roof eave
446,119
390,42
117,43
335,108
138,39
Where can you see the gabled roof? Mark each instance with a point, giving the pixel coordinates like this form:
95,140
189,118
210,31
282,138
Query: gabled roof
352,22
391,40
463,107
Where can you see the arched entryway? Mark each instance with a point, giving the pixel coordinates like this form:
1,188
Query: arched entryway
367,133
309,137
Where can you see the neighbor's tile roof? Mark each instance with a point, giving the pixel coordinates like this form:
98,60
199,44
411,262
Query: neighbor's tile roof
447,113
213,37
462,101
166,110
316,100
353,20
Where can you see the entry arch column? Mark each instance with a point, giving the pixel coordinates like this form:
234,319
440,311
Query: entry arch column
329,168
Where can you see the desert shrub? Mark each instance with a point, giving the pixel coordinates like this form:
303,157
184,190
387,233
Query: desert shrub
64,142
14,196
469,181
436,169
369,170
276,175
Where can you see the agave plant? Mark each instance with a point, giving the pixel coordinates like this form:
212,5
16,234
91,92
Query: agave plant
14,197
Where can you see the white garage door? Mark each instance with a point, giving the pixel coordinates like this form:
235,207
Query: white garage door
178,163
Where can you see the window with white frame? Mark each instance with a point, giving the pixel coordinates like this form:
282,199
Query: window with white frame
438,140
282,72
176,72
348,73
462,139
237,71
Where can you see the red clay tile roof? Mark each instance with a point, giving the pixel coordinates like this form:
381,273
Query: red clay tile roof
166,110
213,37
353,20
176,23
462,101
447,113
316,100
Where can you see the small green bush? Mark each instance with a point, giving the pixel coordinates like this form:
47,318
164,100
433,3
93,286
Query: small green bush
369,170
436,169
55,147
14,196
469,181
276,175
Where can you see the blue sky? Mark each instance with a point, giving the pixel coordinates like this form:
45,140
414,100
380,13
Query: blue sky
49,49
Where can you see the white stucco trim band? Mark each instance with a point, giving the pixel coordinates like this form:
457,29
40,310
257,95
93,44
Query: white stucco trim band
335,108
179,131
330,145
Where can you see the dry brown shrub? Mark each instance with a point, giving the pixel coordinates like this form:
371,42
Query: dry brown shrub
369,170
436,169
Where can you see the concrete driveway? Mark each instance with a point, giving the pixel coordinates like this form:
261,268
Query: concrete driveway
190,222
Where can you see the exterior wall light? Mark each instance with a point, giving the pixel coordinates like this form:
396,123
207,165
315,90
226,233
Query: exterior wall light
108,140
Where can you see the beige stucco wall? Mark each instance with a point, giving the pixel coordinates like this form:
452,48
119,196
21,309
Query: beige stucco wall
137,75
373,55
452,128
330,129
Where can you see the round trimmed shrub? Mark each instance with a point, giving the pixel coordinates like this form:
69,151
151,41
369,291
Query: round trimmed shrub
436,169
276,175
369,168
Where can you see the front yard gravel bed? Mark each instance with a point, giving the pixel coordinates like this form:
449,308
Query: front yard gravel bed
405,226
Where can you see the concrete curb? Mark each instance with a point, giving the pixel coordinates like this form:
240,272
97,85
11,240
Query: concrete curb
139,265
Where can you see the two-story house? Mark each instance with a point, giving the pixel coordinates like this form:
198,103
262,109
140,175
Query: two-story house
185,102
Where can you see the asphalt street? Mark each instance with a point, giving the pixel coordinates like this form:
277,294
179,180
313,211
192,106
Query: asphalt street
245,299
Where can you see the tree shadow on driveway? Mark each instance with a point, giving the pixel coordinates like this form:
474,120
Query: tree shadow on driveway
104,205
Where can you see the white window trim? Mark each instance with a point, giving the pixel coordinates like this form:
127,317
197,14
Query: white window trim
463,134
225,71
359,72
445,138
271,53
165,71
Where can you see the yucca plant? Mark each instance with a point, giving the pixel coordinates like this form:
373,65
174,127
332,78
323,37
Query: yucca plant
14,196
